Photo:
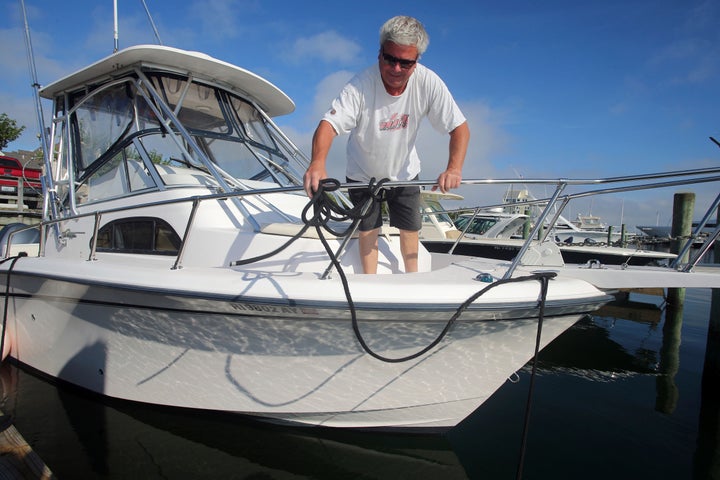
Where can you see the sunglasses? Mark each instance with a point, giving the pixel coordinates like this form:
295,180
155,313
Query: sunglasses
392,61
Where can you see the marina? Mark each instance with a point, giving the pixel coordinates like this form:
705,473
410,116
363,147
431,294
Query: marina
181,307
180,263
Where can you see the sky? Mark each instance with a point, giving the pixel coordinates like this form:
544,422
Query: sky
552,89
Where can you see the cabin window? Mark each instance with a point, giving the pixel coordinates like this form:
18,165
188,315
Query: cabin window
100,121
146,235
478,227
124,173
251,122
200,107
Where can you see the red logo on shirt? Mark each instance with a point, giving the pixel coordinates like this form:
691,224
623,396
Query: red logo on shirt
396,122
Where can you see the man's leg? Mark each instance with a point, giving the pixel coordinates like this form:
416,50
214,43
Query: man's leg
368,242
409,241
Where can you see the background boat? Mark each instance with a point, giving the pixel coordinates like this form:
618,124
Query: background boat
498,234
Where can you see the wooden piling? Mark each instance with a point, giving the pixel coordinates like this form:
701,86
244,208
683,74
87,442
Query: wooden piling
666,389
683,211
683,208
17,459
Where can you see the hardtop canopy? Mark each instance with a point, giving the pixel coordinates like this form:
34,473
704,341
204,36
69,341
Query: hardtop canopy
203,67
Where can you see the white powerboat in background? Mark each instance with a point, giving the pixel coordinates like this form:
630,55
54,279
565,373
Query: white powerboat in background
180,263
498,234
584,230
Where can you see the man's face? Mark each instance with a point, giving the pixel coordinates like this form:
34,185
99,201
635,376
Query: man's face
397,63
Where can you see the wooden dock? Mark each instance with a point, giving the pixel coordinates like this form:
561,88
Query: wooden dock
17,458
24,206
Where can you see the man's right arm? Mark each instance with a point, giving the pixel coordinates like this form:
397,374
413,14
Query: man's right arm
321,143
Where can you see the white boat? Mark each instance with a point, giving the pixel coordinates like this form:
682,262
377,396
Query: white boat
655,231
497,234
167,273
584,230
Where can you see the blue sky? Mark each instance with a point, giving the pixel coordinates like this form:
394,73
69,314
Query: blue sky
551,89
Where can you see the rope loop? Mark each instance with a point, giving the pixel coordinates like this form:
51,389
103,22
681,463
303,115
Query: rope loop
326,209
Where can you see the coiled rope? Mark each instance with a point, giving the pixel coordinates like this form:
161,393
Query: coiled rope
325,210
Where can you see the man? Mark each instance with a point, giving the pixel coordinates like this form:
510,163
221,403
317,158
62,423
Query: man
381,108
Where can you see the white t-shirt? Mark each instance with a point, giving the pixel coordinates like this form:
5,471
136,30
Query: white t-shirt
383,128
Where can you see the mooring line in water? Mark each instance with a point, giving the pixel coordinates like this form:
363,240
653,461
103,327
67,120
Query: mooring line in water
531,388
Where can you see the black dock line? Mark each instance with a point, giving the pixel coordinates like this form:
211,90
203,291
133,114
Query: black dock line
325,210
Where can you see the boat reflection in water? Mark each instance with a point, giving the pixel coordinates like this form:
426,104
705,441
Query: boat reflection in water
593,351
83,436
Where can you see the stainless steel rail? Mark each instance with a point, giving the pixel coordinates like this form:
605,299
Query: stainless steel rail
549,203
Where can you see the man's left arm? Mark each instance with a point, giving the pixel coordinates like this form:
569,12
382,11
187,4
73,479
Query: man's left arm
452,176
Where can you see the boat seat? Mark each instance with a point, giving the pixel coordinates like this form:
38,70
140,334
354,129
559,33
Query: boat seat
291,229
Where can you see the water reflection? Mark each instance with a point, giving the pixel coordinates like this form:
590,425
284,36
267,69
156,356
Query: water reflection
79,436
592,350
667,390
707,456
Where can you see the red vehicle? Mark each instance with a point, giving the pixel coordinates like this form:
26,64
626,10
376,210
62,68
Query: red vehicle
11,170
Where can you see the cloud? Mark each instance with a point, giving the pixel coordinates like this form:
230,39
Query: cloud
326,91
17,92
328,47
218,19
22,110
488,138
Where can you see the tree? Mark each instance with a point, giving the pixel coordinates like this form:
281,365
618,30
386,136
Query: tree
9,131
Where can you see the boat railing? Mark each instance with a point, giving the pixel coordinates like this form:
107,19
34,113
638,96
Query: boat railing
632,185
696,176
706,245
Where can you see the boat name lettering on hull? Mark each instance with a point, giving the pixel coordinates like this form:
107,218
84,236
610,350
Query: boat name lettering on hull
254,307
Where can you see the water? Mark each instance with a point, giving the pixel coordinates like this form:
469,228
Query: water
613,398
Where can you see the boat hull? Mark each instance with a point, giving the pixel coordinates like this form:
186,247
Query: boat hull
303,370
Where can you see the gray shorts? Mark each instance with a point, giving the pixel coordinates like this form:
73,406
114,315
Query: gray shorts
403,206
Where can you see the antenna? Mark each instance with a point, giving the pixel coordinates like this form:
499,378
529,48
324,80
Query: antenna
35,84
115,27
47,182
157,35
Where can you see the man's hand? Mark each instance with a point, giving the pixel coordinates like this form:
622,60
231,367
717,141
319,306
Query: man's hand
452,176
312,177
448,180
321,142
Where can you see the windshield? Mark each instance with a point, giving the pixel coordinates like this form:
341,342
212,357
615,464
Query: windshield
479,225
435,209
130,136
